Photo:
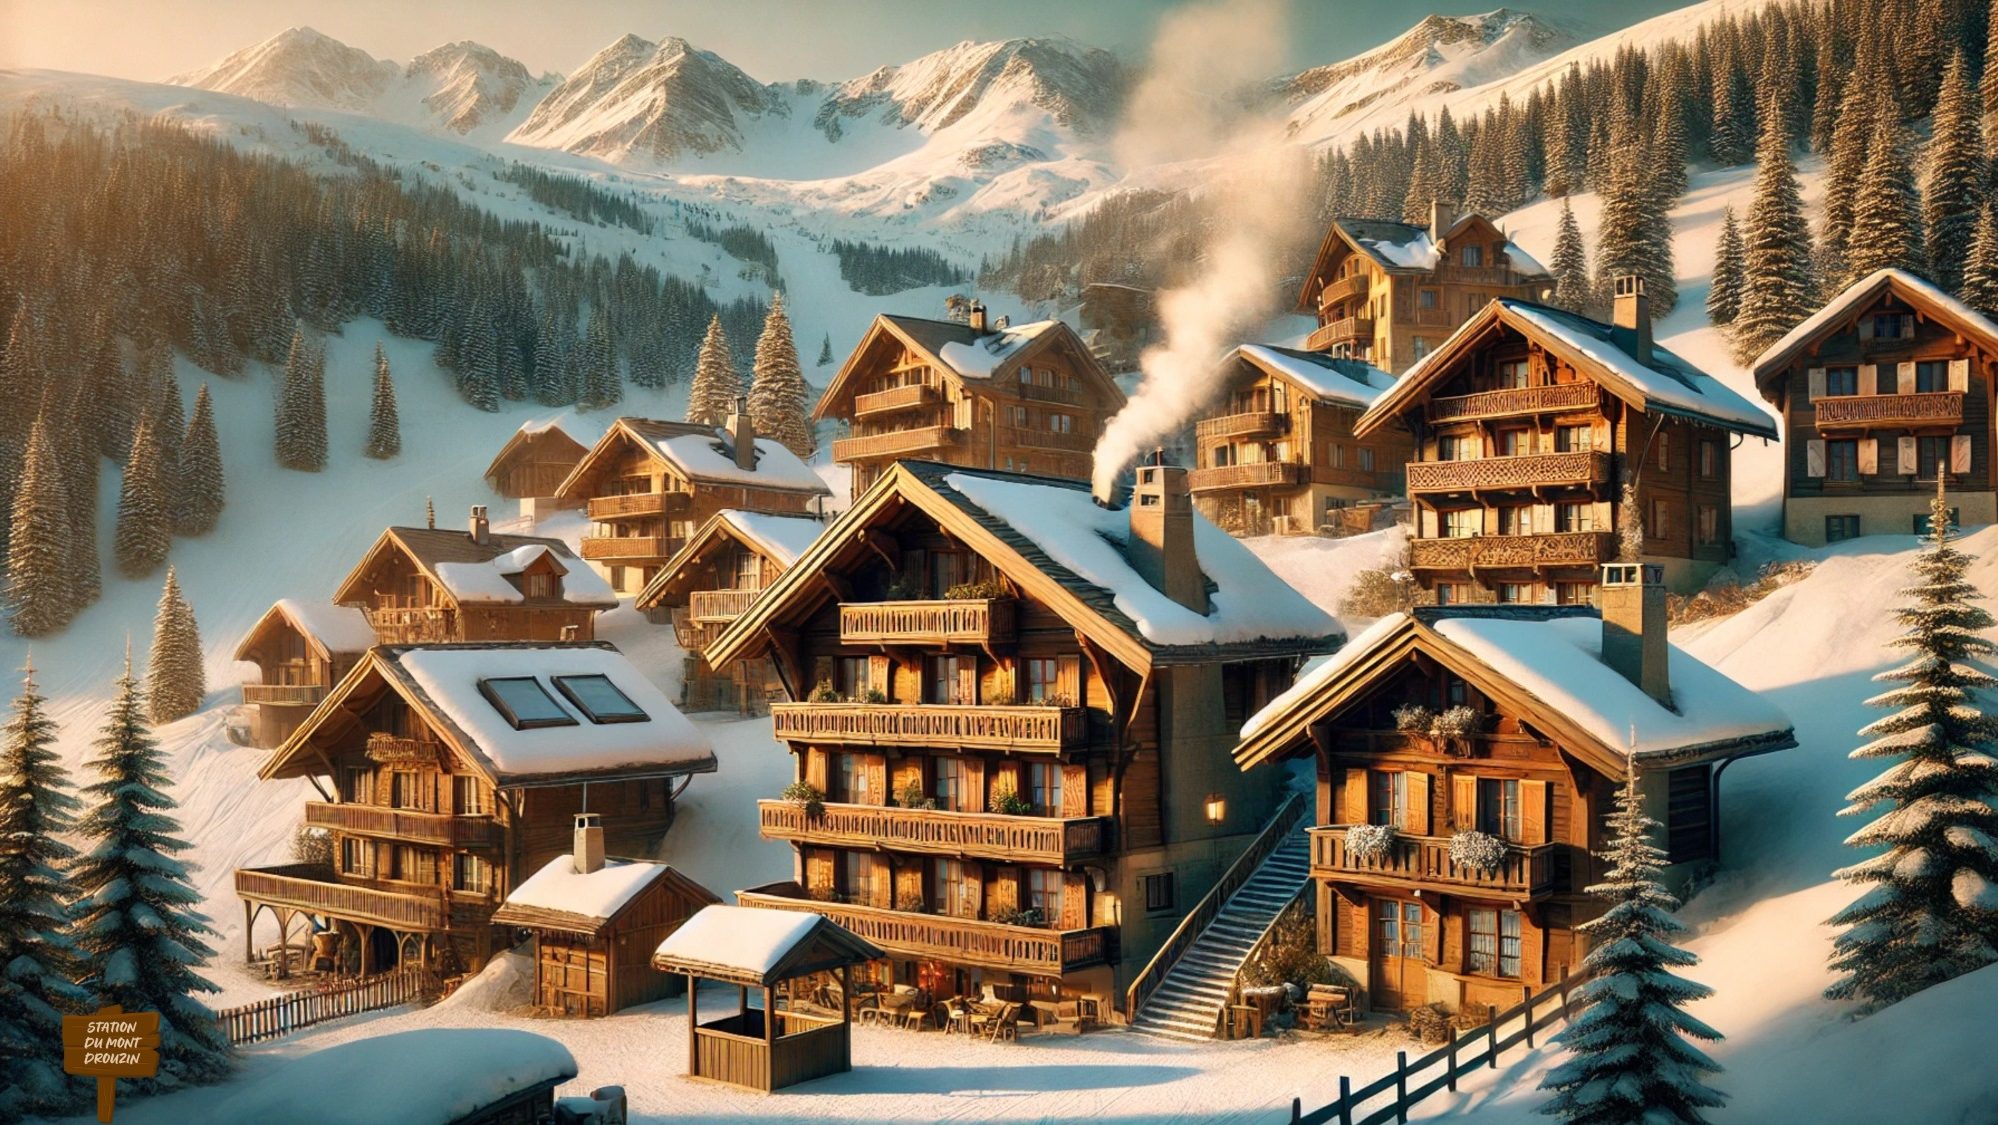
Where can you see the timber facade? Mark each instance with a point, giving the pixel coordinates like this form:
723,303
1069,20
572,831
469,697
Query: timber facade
407,586
532,465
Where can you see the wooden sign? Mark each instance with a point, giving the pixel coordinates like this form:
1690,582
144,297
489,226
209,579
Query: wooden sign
110,1044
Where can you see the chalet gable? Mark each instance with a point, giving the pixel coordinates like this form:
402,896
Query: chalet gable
1406,249
777,539
1318,377
543,441
465,570
329,630
1885,289
968,361
691,454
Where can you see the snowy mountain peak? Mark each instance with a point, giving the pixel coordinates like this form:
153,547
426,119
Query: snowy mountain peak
299,67
1077,87
466,84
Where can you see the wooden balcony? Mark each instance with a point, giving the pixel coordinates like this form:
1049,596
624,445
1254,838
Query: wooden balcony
403,824
1036,392
893,399
1263,474
1344,289
1527,552
411,626
627,546
1581,469
1424,862
1862,412
1347,330
284,695
386,748
316,890
718,607
1514,401
1055,841
963,941
693,635
638,504
1254,423
1030,729
1020,437
983,621
893,444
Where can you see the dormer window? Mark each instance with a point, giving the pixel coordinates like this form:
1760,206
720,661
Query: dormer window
542,585
1473,257
600,699
524,703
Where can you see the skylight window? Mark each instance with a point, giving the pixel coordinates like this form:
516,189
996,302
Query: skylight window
525,703
594,695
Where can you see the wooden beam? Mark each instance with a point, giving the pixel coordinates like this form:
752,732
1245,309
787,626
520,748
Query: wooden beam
882,544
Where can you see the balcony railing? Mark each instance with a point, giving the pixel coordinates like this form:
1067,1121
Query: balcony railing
1074,441
638,504
315,889
1561,548
1042,729
627,546
1345,330
1257,475
1253,423
946,621
407,626
1344,289
1515,400
1068,396
1476,275
690,634
1424,861
1010,839
1928,408
893,443
287,695
1534,470
403,824
964,941
715,607
894,398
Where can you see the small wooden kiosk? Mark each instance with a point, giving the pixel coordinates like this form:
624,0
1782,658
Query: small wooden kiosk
761,1048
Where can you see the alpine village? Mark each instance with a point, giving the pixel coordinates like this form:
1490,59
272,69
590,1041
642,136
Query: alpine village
1444,583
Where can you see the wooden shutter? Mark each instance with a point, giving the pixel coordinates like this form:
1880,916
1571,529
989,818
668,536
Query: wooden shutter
1074,790
974,785
815,768
1005,890
1904,378
967,680
909,886
875,767
1463,801
818,869
974,889
1006,775
1074,901
1543,518
1068,678
1418,803
1959,453
1883,375
1908,456
1866,328
1354,797
880,676
822,673
881,880
901,774
1814,457
1816,384
1534,815
1959,375
1869,456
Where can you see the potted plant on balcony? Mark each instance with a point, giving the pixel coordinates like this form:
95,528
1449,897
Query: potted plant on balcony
985,589
911,797
824,692
1480,851
1452,730
1021,916
806,796
1009,802
1369,843
1413,718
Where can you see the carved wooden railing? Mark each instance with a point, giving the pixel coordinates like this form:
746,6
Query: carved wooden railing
894,398
1344,289
1561,548
386,748
627,546
1516,400
1245,424
313,888
637,504
1425,861
932,724
889,444
1261,473
1037,392
401,625
293,695
1288,816
1074,441
1928,408
1532,470
690,634
973,941
1014,839
1340,331
943,621
709,607
403,824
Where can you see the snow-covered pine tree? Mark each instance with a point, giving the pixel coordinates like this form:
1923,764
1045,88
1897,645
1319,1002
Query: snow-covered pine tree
1732,138
825,350
201,478
314,429
1724,292
779,399
1633,236
1987,90
175,678
1843,166
41,583
41,959
1570,264
384,427
140,935
603,385
1632,1060
1954,190
297,446
1930,908
1980,270
716,384
1776,288
170,427
1886,210
145,510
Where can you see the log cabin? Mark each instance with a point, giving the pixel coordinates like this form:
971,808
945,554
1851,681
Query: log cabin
1027,398
533,464
1466,757
1390,293
1276,452
722,569
446,774
301,649
595,921
1011,710
1530,422
424,585
1890,381
648,484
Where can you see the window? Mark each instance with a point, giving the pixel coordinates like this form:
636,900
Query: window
1842,527
1427,299
1709,523
1659,523
1931,376
1514,593
855,786
956,895
1017,415
523,702
1841,381
1511,374
1447,593
1842,460
1931,456
1044,893
404,791
1462,523
468,796
850,676
1060,423
1456,447
1661,452
1456,693
1889,326
1573,439
1574,593
1159,891
857,876
1473,257
1513,443
1335,455
1516,519
470,873
1498,806
412,865
595,696
950,679
1366,459
748,571
1390,798
1419,346
355,858
1044,787
357,785
542,585
1575,515
949,788
1042,674
1495,943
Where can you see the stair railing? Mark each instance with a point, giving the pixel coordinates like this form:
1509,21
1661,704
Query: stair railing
1208,908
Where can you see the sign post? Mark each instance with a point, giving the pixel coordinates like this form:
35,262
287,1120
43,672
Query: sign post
110,1044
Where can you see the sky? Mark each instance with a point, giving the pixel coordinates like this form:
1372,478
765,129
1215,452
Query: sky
771,39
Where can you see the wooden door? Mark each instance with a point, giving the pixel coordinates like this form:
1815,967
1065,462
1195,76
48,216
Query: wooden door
1400,977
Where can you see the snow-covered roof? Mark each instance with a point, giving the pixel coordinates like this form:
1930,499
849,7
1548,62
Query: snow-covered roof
458,562
756,945
486,583
1321,670
1350,382
711,457
781,538
1857,295
431,1076
334,628
1410,246
985,355
560,897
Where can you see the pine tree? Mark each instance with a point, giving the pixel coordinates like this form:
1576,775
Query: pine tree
1724,292
825,350
1987,91
1776,285
301,401
384,428
41,582
716,384
1634,236
41,959
201,477
1954,191
1571,264
779,399
145,511
139,932
175,678
602,384
1980,270
1930,908
170,427
1632,1061
1843,167
1886,213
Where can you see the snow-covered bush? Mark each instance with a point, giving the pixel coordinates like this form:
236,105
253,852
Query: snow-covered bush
806,796
1480,851
1413,718
313,845
1379,591
1457,722
1369,843
1291,956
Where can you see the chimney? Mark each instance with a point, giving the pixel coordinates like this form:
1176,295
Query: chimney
1161,543
1633,599
742,435
589,851
978,318
1630,320
1442,216
482,528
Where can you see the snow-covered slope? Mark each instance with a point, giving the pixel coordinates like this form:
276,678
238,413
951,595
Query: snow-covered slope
649,103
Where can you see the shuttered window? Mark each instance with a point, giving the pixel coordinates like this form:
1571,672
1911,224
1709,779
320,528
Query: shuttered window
1688,814
1498,807
1494,945
1842,460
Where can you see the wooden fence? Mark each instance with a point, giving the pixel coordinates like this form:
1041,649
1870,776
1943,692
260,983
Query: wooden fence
295,1011
1411,1082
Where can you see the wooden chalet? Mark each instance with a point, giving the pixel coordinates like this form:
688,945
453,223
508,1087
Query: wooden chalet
1027,398
301,649
1450,856
648,485
532,465
1390,293
722,569
1884,386
1528,424
595,922
1277,452
425,585
1017,705
447,774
